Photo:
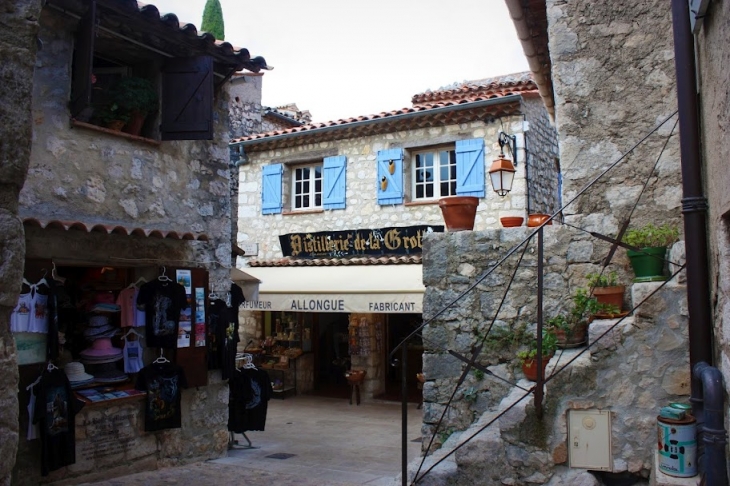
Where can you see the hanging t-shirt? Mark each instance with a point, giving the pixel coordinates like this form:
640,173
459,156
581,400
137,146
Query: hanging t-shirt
21,314
248,399
55,411
162,302
132,356
31,312
163,383
33,428
229,336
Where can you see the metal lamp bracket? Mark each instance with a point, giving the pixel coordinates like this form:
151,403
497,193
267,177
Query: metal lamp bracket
511,142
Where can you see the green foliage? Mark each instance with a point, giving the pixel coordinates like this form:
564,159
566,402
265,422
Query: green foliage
131,94
213,19
651,236
549,345
110,113
602,279
478,374
471,394
583,308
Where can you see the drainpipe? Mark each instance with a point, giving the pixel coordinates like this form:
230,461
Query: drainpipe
711,425
694,203
707,392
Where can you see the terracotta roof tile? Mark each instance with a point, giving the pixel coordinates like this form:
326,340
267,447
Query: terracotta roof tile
113,229
517,83
332,262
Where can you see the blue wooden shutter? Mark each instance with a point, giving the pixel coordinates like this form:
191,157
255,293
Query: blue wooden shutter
470,167
334,182
393,183
271,201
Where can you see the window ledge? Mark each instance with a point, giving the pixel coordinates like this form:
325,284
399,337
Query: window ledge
306,211
97,128
422,203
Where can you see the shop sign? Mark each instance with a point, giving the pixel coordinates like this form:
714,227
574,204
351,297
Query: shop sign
396,303
365,242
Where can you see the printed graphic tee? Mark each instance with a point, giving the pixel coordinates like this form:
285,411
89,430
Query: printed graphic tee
248,400
163,383
162,302
55,411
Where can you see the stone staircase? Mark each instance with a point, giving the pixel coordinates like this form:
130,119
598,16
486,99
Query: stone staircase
632,370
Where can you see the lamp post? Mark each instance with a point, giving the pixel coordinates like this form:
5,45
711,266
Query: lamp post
502,172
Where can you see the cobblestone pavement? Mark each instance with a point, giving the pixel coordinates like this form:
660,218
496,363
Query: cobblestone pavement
308,441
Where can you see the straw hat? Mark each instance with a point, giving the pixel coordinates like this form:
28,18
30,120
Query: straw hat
75,372
101,348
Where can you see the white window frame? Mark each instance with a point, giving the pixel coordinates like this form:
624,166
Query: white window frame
312,193
435,152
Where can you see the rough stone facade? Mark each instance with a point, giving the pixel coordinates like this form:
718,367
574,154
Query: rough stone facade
245,105
18,51
543,169
713,62
639,365
86,175
613,77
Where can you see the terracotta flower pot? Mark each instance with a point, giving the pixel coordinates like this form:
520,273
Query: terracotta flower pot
536,219
134,125
115,125
355,377
511,221
529,367
574,338
459,212
610,295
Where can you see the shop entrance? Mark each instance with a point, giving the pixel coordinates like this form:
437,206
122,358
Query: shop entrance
331,355
399,327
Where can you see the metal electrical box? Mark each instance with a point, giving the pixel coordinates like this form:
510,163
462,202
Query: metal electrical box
589,439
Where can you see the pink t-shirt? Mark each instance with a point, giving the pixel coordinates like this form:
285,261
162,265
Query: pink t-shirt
131,316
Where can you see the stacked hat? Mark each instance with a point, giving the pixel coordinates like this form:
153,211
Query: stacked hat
109,373
77,375
101,351
99,327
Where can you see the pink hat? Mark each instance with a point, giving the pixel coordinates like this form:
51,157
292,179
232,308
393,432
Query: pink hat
101,347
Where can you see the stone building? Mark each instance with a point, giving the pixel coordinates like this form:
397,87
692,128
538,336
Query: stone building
332,216
102,210
607,74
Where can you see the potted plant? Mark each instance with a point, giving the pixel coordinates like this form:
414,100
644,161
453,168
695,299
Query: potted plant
136,97
571,328
606,289
459,212
112,117
650,243
528,357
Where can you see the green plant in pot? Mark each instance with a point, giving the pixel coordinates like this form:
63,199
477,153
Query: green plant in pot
650,243
137,97
112,117
528,357
606,288
571,327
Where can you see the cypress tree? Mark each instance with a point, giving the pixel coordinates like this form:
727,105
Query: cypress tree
213,19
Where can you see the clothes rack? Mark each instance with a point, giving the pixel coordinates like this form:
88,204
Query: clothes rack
234,444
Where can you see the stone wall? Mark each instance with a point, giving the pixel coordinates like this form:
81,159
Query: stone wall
613,76
713,62
639,366
541,143
18,52
362,209
245,105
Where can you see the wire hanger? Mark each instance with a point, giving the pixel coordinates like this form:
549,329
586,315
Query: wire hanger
133,331
163,277
51,366
37,380
55,276
161,359
43,280
140,280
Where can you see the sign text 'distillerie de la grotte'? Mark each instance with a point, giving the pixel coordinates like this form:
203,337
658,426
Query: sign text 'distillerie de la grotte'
363,242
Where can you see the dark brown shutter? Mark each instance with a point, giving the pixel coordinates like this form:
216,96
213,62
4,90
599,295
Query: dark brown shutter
187,99
83,61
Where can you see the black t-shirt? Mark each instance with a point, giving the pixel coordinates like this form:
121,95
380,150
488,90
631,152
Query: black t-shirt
163,383
248,399
162,303
55,410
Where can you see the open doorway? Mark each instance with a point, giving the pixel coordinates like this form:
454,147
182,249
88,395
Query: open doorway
331,355
398,328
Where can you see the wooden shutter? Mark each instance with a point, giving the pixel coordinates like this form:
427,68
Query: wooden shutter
187,99
334,182
83,61
390,176
470,167
271,200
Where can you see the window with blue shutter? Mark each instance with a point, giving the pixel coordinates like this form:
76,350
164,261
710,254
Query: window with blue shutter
271,200
470,179
335,182
390,176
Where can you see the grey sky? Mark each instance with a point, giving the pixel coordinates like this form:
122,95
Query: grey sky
340,58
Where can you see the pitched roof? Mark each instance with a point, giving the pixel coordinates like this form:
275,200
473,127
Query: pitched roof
470,101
